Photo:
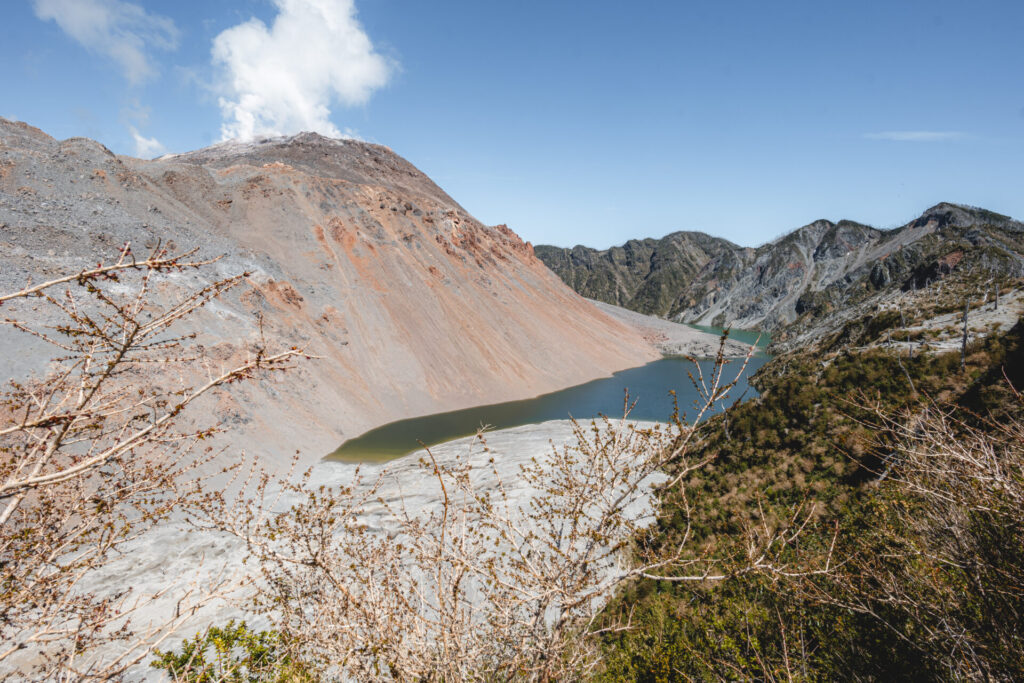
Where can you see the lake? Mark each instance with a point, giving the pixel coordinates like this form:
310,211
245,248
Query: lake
762,339
649,385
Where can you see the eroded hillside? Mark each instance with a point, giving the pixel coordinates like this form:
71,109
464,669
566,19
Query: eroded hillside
411,304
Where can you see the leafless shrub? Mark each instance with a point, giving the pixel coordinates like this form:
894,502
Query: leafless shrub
97,452
485,585
944,568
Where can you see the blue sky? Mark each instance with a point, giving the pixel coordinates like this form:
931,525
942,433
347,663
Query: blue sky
573,122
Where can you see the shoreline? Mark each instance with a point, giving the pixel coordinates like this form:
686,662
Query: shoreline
651,386
671,338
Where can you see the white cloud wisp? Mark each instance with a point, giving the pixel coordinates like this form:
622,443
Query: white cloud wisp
284,78
916,135
119,30
146,148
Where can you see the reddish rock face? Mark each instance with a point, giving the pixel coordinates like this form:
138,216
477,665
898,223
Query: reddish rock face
411,304
951,260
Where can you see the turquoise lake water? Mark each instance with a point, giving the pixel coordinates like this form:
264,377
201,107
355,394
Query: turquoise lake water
649,385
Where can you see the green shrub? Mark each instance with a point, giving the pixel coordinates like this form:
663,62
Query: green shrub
232,654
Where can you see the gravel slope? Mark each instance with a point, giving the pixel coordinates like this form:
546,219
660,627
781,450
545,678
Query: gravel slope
411,304
672,338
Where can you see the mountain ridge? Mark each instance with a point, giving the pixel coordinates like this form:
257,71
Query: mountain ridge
697,278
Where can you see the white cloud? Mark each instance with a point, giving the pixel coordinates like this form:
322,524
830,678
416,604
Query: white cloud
120,30
146,148
916,135
284,78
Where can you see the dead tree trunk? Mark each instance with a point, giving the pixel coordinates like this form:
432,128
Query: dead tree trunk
899,359
963,344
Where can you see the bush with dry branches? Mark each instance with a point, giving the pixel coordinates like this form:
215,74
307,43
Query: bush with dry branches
485,584
943,569
96,452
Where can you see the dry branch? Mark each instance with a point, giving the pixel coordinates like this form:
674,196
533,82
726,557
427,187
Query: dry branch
486,585
96,453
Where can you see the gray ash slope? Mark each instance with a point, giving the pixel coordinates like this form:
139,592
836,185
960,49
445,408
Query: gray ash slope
800,282
411,304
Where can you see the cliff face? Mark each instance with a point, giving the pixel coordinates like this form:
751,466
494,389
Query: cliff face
795,281
412,305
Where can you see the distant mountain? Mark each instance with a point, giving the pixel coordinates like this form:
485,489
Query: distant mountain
802,277
412,305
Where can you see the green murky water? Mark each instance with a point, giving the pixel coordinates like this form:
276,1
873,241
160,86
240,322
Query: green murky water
649,385
762,339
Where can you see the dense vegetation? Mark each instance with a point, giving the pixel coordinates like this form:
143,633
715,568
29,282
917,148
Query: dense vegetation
894,604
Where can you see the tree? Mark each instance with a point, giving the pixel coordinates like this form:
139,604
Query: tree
97,452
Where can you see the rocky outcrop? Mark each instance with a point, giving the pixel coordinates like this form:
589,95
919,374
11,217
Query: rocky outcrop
411,304
795,281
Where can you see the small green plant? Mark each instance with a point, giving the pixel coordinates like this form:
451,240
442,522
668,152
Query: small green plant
233,653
